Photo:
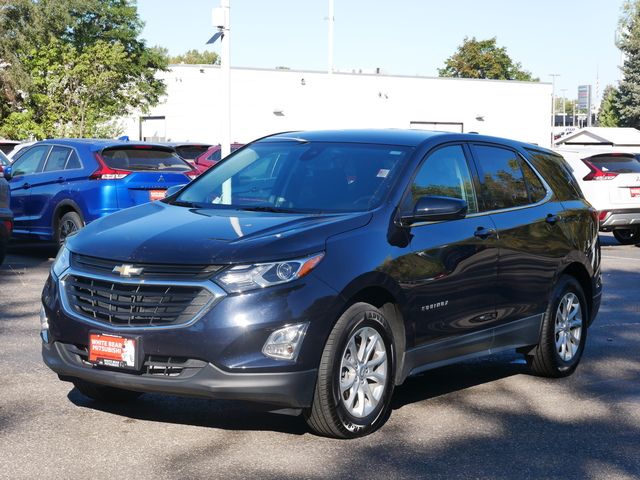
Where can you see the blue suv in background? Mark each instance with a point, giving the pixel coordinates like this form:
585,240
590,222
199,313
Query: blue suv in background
58,186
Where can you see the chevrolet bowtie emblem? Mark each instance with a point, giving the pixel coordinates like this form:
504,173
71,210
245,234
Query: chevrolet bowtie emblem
128,270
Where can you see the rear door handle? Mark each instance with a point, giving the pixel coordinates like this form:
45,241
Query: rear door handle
485,233
60,179
26,186
552,219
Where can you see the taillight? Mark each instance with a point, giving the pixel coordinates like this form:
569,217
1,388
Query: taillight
596,173
602,215
8,226
105,173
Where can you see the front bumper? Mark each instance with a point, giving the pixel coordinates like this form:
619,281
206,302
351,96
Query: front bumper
284,389
622,218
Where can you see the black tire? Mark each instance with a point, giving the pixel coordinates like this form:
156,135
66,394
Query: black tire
546,360
328,416
103,393
68,224
627,236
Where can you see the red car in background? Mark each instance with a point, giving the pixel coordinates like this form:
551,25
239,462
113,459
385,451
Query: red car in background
212,156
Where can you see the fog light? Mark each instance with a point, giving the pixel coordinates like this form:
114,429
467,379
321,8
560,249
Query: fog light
44,325
285,343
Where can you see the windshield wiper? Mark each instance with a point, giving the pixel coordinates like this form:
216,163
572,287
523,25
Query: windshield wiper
266,208
182,203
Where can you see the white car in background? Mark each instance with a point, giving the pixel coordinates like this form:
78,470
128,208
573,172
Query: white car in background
610,181
17,148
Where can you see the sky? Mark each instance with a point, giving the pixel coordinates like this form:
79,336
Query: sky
572,38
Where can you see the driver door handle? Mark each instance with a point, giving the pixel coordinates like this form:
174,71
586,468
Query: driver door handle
552,219
26,186
484,233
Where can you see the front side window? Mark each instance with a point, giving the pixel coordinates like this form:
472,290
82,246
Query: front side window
57,159
444,173
316,177
503,184
31,160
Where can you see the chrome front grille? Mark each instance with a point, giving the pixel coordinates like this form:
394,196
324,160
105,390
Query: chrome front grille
135,303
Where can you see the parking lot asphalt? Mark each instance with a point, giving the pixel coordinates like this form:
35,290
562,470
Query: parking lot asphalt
479,419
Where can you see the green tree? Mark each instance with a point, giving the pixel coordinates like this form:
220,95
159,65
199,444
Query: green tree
628,98
70,67
196,57
483,59
608,115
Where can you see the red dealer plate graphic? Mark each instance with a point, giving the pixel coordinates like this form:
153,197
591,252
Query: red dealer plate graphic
157,194
112,350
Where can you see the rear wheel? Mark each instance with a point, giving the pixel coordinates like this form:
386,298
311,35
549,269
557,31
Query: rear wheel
68,224
105,394
627,236
355,377
564,331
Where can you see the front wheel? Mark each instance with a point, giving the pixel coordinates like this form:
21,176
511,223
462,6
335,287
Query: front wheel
627,236
356,375
564,331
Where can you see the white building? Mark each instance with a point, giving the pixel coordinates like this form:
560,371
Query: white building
269,101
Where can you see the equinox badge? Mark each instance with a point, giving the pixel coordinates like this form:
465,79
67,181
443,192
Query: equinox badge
128,270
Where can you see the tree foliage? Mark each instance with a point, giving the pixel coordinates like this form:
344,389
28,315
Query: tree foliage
483,59
609,115
196,57
70,67
628,98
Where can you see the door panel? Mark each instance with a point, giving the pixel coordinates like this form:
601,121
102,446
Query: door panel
449,272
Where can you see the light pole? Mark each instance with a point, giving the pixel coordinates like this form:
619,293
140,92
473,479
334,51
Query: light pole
564,106
330,53
222,20
553,106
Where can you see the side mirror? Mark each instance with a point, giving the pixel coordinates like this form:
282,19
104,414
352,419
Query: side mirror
173,190
7,172
435,209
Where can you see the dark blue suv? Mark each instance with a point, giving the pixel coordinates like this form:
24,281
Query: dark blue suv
58,186
315,271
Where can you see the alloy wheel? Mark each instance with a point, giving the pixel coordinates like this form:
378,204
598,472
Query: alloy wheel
568,326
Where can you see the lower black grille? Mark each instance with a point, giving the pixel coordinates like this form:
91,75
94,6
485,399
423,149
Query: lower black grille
138,304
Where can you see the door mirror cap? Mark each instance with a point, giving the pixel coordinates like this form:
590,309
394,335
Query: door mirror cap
436,209
6,172
174,189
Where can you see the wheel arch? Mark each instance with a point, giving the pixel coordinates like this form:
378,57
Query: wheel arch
63,207
388,300
580,273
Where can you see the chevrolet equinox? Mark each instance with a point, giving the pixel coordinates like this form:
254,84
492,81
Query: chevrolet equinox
315,271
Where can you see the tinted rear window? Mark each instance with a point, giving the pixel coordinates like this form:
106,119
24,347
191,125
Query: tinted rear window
131,158
615,163
191,152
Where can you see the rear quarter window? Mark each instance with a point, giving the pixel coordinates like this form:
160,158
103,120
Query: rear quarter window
556,173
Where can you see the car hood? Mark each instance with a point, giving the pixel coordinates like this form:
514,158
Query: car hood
160,233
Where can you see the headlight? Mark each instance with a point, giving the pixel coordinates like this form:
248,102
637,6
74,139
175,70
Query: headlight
259,275
61,263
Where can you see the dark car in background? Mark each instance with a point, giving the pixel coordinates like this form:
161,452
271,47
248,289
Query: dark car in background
315,271
189,151
60,185
6,217
212,156
7,145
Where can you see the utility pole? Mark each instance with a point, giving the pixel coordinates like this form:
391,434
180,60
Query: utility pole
330,56
225,70
553,106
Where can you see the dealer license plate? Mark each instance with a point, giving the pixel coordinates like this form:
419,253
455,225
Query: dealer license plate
157,194
635,192
113,351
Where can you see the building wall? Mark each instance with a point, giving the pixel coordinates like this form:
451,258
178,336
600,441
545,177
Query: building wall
268,101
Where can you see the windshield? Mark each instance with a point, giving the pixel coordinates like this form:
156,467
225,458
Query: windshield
291,176
143,158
